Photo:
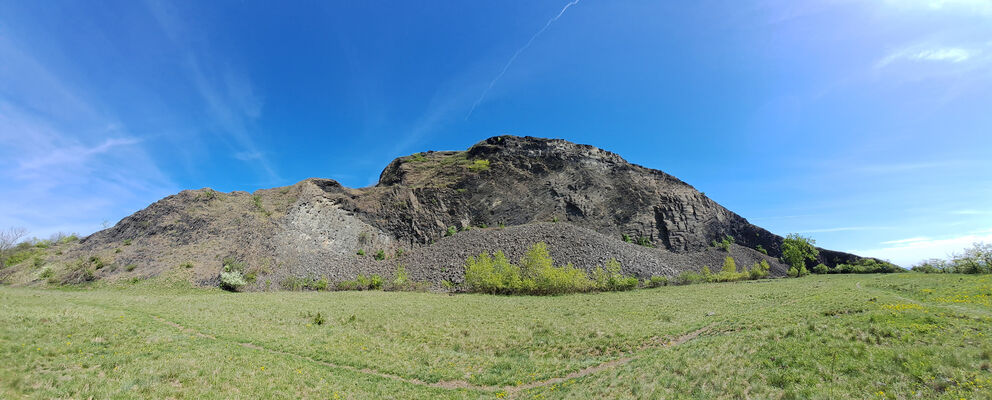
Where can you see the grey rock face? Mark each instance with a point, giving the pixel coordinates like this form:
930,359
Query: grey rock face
579,199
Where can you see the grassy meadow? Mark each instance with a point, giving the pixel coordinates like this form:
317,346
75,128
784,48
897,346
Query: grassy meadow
897,336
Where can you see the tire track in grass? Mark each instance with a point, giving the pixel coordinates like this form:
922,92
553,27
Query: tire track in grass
509,390
460,384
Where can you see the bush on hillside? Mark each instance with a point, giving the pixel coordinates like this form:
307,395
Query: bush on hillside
537,274
232,280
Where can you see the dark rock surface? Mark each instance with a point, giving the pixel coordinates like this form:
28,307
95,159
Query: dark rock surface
317,227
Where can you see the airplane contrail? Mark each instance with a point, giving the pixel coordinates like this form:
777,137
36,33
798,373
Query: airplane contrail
517,53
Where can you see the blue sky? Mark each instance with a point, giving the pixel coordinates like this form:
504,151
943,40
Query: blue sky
864,124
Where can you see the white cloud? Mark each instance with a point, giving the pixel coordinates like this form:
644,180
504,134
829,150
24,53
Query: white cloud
908,240
843,229
907,252
970,7
951,54
933,54
64,164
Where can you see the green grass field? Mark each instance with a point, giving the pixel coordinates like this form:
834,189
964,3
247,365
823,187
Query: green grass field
898,336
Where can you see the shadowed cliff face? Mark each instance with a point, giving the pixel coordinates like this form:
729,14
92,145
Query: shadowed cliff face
319,228
518,180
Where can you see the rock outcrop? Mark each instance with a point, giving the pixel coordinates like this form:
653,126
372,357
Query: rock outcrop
580,199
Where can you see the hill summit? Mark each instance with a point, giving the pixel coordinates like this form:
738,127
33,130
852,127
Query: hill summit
431,210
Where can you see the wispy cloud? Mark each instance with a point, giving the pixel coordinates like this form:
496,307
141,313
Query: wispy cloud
907,252
517,54
844,229
230,99
908,240
933,54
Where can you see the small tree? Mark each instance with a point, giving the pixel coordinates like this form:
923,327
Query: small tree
8,240
797,249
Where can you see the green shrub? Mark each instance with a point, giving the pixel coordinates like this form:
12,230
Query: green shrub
127,242
186,265
724,243
380,255
232,281
760,270
78,273
729,271
707,274
399,252
821,269
401,280
657,281
761,249
626,238
610,278
96,262
118,250
689,278
644,241
479,165
375,282
793,272
46,273
451,231
866,266
361,252
257,202
130,267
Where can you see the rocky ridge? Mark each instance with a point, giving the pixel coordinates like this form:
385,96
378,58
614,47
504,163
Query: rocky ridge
579,199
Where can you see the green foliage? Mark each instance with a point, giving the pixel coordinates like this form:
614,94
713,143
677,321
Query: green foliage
760,270
729,272
361,252
186,265
401,279
536,274
610,279
96,262
451,231
363,282
626,238
483,225
316,319
761,249
232,281
78,273
399,252
689,278
657,281
417,158
793,272
479,165
257,202
75,238
46,273
380,255
866,266
644,241
724,243
707,274
821,269
21,255
796,250
130,267
308,283
127,242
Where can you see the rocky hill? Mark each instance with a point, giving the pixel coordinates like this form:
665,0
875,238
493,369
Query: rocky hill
429,211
